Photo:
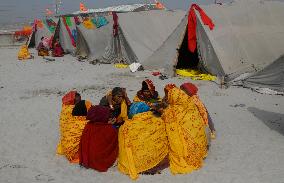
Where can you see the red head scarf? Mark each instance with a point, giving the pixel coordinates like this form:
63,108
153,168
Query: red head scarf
98,114
150,85
69,98
190,88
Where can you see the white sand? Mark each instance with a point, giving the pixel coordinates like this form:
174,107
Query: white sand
249,145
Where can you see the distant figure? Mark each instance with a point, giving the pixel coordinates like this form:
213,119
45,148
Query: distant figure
72,123
24,53
99,142
42,48
191,90
57,49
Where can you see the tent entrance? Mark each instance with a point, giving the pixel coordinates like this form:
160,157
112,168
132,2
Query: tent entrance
187,59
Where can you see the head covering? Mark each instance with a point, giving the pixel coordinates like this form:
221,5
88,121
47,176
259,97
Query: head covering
116,91
148,85
69,98
137,108
80,109
98,114
190,88
170,86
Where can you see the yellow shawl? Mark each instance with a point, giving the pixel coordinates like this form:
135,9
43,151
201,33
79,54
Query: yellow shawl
186,133
143,144
71,129
24,53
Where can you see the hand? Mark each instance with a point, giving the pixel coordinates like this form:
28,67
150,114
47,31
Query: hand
111,107
111,121
120,120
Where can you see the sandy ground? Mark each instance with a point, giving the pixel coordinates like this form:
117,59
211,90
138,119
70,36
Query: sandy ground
250,126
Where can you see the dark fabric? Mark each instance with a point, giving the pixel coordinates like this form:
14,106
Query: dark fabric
77,21
104,101
192,25
117,109
98,114
117,91
80,109
115,24
99,142
152,99
148,85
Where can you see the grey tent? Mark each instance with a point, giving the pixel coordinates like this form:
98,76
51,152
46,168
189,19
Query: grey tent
139,35
44,31
91,43
248,36
271,77
65,37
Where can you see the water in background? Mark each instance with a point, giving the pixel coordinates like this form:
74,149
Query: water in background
16,13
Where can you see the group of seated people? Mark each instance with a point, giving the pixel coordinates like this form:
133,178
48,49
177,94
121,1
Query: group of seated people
144,136
44,47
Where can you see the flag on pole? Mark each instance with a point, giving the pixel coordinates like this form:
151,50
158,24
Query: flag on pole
83,7
159,5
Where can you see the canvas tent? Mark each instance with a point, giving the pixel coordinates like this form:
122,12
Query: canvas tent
139,35
66,33
45,29
271,77
248,36
91,43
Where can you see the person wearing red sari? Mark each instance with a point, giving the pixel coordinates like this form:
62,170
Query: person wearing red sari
57,49
99,142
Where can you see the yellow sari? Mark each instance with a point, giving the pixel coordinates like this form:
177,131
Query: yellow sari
71,128
202,109
143,144
186,133
24,53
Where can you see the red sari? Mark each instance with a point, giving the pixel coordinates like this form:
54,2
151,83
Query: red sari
99,141
57,50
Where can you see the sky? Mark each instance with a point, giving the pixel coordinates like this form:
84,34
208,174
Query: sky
22,11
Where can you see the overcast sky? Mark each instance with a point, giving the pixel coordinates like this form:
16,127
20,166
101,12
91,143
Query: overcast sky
15,11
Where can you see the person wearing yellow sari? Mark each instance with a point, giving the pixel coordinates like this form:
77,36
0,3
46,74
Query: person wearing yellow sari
42,48
24,53
191,90
143,144
72,123
147,94
118,102
185,130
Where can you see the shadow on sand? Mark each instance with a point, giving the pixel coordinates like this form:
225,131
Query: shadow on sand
274,121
